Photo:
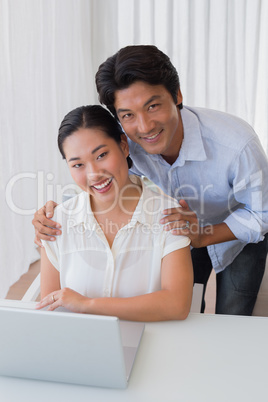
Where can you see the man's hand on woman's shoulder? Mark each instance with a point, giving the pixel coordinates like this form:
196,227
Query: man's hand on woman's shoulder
45,228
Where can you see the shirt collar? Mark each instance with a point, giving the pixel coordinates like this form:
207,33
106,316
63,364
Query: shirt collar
140,214
192,148
81,213
79,210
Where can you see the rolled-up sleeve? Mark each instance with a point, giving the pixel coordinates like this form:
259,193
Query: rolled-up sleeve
249,182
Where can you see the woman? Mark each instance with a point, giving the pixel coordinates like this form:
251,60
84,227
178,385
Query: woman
113,257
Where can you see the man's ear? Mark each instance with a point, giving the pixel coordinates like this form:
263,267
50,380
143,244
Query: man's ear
179,97
124,145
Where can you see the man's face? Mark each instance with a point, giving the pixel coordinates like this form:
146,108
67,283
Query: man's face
150,118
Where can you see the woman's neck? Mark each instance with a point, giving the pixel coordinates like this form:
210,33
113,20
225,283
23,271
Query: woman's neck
125,203
112,218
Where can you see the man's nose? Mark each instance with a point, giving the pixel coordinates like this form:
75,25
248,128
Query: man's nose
145,124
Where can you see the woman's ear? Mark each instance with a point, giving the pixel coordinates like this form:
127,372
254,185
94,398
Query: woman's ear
124,145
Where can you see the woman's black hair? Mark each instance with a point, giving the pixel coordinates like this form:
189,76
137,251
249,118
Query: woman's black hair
91,116
135,63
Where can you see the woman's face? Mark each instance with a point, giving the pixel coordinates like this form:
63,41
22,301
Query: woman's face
97,163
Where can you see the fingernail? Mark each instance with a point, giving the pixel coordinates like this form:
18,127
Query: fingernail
58,226
52,239
49,215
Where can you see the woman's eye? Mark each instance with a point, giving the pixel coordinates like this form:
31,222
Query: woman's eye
78,165
102,155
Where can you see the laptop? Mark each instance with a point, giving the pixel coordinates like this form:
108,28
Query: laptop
67,347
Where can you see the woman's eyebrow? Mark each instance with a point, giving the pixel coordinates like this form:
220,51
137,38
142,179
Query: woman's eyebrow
74,159
77,158
97,148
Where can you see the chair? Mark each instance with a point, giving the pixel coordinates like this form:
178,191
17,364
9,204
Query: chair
33,292
197,298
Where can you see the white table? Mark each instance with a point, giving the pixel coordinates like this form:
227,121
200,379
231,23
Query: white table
205,358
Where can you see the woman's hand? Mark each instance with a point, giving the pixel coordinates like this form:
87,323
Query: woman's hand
67,298
183,221
45,228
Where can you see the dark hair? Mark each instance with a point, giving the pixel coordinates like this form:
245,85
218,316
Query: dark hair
135,63
91,116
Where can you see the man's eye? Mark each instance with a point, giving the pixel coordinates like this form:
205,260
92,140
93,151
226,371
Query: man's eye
126,116
77,165
151,107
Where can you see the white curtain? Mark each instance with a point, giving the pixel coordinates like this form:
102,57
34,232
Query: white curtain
45,71
49,53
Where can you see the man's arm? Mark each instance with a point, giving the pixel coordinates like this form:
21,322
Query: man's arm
45,228
248,214
183,221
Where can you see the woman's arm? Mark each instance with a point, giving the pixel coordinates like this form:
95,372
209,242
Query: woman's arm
172,302
50,276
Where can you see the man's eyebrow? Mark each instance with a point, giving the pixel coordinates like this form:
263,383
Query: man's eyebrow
122,111
77,158
153,98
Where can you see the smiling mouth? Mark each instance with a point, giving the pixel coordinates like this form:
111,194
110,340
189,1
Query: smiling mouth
103,185
151,138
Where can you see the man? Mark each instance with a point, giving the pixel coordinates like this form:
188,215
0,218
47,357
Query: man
211,162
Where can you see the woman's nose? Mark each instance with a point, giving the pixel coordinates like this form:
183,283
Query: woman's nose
91,171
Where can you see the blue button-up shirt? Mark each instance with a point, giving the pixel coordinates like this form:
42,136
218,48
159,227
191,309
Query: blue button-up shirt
221,171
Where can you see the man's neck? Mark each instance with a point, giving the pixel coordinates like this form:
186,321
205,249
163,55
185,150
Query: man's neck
172,155
170,159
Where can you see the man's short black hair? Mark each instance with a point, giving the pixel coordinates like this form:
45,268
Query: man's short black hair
135,63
